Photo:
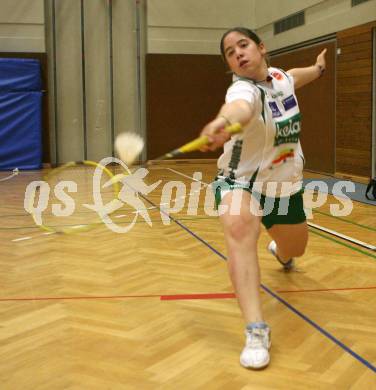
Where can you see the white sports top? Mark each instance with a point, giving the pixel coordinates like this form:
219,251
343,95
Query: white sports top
268,152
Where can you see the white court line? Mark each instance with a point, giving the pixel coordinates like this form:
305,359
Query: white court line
29,238
22,239
332,232
189,177
15,172
137,211
344,237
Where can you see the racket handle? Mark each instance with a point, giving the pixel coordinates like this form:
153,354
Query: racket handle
198,143
234,128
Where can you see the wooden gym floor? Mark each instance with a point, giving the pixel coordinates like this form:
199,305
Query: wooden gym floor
154,309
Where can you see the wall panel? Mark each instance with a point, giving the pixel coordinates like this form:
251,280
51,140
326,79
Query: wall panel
184,92
95,62
126,110
97,80
70,134
22,26
353,99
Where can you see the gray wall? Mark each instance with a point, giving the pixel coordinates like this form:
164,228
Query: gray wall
321,17
96,82
190,26
22,26
195,26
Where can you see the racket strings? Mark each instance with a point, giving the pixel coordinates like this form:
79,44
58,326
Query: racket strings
71,190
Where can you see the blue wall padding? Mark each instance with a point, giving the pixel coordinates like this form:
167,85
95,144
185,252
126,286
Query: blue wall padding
20,114
20,75
20,130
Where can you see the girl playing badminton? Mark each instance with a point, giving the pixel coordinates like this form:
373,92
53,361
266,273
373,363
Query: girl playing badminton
265,162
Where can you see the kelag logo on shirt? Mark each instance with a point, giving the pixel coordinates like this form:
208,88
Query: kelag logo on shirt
287,131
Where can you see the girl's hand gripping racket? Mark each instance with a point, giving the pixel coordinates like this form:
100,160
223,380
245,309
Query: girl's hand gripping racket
197,143
129,146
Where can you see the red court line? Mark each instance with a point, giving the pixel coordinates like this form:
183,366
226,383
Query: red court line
174,297
232,295
197,296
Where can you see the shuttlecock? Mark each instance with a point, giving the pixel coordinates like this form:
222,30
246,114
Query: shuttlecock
128,146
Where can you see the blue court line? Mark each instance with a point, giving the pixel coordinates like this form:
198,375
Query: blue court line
320,329
281,300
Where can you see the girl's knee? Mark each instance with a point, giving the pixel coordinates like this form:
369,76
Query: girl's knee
243,228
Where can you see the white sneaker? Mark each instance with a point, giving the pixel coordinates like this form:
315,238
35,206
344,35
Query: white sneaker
287,265
256,351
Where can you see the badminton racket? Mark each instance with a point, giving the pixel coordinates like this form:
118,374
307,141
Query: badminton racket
130,146
197,143
66,211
